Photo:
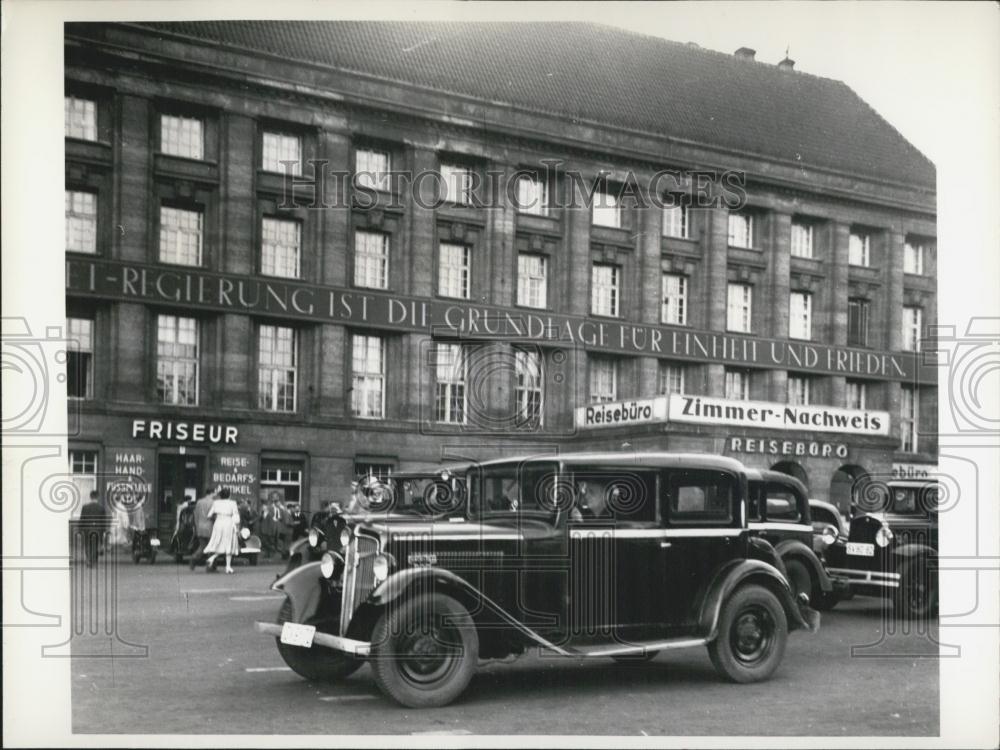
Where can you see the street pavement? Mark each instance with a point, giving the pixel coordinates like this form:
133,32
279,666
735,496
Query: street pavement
206,670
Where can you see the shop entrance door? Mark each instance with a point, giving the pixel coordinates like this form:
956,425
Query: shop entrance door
178,477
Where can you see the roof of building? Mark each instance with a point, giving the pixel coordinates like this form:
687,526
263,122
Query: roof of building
608,76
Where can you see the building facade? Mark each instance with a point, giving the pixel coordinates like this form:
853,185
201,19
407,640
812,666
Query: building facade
263,293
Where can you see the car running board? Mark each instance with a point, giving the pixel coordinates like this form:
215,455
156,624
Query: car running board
629,649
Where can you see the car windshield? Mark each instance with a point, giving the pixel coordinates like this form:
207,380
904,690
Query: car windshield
914,500
419,494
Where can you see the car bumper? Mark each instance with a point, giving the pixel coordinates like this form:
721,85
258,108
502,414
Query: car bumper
347,645
867,577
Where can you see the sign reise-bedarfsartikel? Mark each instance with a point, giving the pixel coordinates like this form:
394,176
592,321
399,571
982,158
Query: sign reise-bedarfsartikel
298,300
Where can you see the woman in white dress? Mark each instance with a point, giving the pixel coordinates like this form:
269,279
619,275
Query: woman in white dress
225,538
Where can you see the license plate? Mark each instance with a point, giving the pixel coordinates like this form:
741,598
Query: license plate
861,549
294,634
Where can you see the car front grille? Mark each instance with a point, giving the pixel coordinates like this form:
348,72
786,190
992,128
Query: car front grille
359,577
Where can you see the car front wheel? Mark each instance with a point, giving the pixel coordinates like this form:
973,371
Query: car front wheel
424,651
751,635
917,595
319,664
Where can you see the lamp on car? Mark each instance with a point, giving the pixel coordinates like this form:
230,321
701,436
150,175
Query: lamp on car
327,565
313,537
381,566
829,535
244,533
883,536
345,536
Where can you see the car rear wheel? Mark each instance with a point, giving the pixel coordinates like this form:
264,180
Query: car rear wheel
798,578
319,664
917,595
752,634
424,651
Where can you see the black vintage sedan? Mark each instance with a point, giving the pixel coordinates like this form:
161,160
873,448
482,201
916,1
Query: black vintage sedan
583,555
780,515
892,546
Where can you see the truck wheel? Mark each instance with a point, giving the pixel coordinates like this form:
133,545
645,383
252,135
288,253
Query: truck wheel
318,664
751,635
917,595
424,651
799,579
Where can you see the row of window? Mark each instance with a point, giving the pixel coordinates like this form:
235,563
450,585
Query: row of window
184,137
178,355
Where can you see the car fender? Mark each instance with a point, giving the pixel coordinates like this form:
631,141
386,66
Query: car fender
794,549
761,549
908,554
730,577
297,545
428,578
303,586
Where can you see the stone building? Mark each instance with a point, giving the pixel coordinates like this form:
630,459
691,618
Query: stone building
300,251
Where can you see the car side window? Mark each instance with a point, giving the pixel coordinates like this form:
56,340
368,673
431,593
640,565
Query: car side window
615,495
697,496
754,502
782,505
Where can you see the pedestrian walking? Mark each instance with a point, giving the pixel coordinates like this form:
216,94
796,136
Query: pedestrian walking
202,524
225,530
94,522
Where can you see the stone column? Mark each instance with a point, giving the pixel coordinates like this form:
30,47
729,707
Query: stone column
578,271
499,241
836,308
716,247
134,188
132,363
237,200
237,349
650,220
333,398
893,280
422,250
334,245
778,289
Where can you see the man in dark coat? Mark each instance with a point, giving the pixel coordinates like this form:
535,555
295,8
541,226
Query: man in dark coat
94,523
202,524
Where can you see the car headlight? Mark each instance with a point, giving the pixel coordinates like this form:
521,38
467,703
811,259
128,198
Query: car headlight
313,538
883,536
345,536
244,533
327,565
829,535
381,566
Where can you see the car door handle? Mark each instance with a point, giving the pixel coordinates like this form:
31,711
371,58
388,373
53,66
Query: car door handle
666,545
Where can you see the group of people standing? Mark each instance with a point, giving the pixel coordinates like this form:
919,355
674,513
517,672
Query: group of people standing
279,526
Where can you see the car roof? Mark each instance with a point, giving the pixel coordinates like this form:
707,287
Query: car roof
769,475
652,459
430,471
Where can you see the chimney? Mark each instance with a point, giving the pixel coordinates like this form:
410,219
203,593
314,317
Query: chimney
787,64
745,53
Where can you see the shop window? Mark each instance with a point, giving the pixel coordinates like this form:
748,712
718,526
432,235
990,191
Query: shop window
280,247
80,358
81,221
83,470
380,470
281,480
